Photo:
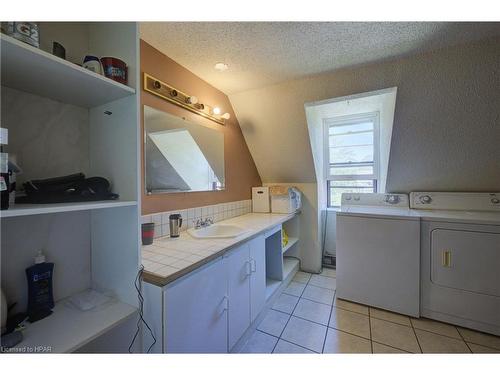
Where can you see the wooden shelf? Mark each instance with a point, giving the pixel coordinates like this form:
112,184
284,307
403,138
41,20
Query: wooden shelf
32,70
40,209
68,329
291,241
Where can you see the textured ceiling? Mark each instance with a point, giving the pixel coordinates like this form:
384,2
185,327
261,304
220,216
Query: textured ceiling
260,54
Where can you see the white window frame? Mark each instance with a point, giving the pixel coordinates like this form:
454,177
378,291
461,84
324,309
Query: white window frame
351,120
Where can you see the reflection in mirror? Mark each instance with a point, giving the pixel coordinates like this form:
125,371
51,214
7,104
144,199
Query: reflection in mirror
181,156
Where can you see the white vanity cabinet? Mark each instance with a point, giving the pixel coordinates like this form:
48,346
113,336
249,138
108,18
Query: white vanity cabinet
209,309
196,311
257,248
238,267
246,277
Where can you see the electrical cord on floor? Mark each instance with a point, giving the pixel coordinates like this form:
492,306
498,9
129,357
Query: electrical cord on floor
138,287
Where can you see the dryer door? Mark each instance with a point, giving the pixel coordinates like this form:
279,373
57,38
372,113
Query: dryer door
466,260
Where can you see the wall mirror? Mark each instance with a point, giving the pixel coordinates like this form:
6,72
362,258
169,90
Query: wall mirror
180,155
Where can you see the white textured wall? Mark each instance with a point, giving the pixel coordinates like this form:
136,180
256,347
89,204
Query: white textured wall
446,124
49,138
446,133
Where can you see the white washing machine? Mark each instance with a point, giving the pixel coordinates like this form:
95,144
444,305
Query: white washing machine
378,252
460,258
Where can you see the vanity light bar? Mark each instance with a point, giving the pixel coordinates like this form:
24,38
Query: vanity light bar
171,94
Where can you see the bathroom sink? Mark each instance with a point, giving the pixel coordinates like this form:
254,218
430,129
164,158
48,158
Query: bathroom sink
217,231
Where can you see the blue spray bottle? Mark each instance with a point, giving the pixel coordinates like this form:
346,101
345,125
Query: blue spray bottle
40,295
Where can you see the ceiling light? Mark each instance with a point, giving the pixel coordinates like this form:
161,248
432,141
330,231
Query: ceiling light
221,67
226,116
216,111
192,100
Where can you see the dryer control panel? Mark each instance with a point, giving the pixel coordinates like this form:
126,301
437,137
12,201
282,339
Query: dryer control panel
455,201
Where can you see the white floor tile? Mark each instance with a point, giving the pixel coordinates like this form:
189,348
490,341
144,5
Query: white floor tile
324,282
260,342
341,342
274,322
384,349
295,288
351,306
482,349
285,303
314,311
317,294
389,316
350,322
480,338
436,327
395,335
302,277
304,333
434,343
329,272
285,347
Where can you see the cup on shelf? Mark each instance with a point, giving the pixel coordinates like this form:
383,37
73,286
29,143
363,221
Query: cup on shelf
148,233
93,64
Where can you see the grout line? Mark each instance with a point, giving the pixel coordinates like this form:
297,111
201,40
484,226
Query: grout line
466,343
328,324
418,342
391,346
291,314
370,325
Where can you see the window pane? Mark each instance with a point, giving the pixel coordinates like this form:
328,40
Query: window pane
351,154
343,171
351,183
351,139
362,126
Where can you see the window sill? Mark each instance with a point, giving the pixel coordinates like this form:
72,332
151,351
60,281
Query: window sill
334,209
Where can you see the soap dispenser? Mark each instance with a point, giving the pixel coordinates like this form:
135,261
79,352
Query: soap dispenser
40,295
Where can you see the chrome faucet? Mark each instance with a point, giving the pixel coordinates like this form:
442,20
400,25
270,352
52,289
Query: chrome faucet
203,223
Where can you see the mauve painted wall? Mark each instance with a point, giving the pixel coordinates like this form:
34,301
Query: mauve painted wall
240,170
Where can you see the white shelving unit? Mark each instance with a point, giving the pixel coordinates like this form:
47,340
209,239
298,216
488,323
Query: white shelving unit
291,242
278,266
32,70
68,329
40,209
93,244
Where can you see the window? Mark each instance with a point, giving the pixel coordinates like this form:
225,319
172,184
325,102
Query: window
351,155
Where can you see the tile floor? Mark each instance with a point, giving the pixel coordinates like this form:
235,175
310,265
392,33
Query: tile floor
307,318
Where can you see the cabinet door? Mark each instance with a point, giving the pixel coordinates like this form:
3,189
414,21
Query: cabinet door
258,278
466,260
238,271
196,312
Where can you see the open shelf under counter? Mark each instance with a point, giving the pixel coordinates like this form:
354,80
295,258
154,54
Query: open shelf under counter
35,71
271,286
290,265
291,241
68,329
40,209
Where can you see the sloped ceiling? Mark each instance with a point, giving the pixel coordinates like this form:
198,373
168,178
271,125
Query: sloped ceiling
264,53
445,134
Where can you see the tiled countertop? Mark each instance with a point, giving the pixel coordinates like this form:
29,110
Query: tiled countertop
167,258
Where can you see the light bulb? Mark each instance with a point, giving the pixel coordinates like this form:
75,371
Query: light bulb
216,111
192,100
226,116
